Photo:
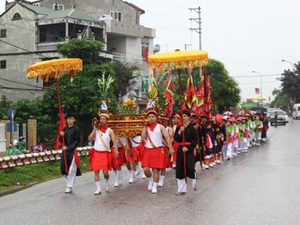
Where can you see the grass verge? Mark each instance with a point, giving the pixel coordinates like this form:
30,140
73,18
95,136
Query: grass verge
21,177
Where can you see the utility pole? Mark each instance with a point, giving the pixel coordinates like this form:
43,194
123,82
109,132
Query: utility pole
198,20
198,30
186,46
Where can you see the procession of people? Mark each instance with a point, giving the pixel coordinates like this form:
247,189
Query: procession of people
181,143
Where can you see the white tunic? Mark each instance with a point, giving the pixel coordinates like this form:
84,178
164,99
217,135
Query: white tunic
135,141
98,146
174,128
156,137
121,141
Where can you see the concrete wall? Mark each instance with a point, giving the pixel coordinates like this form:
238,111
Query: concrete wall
134,50
14,29
121,28
20,33
2,138
14,77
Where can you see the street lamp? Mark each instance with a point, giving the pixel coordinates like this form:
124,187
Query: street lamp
283,60
260,82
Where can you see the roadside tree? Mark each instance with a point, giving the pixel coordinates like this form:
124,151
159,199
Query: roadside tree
290,82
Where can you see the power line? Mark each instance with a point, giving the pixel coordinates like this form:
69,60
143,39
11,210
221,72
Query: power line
257,82
167,16
166,28
16,82
21,89
264,75
26,50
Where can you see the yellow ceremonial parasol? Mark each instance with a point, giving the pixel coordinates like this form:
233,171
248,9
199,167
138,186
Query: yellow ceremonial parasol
178,60
54,69
257,99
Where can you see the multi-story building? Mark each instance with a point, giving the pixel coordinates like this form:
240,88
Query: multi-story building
30,31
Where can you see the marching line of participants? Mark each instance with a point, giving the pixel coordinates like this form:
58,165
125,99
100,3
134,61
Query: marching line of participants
206,141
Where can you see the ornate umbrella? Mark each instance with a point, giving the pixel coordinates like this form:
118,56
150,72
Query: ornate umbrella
178,60
54,69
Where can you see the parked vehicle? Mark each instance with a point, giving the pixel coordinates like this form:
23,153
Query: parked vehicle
271,110
258,110
281,119
296,111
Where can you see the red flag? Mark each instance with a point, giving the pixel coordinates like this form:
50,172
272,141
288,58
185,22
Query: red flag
61,126
169,94
190,95
200,95
208,95
145,53
205,95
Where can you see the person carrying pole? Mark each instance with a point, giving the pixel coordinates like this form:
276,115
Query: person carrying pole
70,138
185,168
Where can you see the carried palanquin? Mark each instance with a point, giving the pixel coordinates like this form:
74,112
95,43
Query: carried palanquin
127,123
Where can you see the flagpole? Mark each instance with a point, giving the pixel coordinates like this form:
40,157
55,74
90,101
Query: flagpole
181,116
60,112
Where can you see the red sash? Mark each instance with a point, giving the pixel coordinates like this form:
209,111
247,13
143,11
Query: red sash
77,159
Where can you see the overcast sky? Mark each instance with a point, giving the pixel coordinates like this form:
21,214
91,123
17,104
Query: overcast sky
245,35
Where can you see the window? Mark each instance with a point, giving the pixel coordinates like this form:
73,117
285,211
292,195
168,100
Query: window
3,64
3,33
16,16
116,15
36,4
145,84
43,34
58,6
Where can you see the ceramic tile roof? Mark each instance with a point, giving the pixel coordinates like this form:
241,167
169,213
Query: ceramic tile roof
71,13
37,9
55,14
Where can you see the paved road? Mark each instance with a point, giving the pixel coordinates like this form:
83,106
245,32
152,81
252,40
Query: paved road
259,187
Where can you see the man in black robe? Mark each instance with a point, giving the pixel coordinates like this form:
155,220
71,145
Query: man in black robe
70,138
186,146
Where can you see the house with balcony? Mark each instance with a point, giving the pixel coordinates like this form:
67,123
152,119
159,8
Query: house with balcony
30,31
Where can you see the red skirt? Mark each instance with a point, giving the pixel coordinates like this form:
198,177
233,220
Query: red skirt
154,158
141,149
135,156
101,160
121,159
175,147
168,163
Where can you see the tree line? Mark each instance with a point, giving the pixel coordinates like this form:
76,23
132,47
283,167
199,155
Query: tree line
82,96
